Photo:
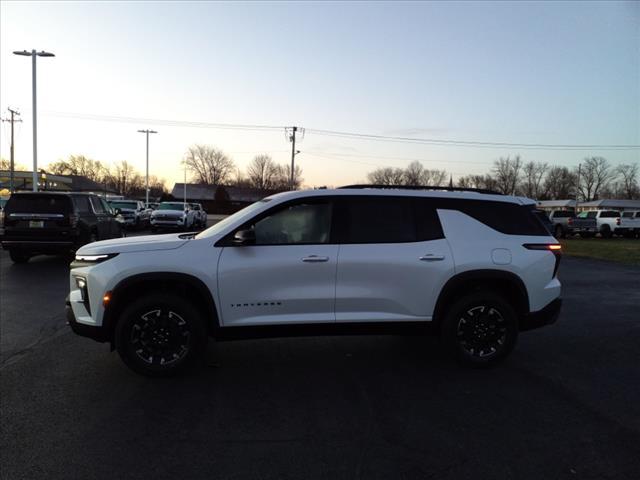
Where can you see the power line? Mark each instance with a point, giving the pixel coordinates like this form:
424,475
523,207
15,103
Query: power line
350,135
470,143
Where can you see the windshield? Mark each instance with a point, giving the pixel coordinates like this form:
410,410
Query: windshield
124,205
171,206
222,224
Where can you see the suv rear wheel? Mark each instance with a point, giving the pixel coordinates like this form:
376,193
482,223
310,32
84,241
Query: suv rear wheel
19,257
480,329
160,335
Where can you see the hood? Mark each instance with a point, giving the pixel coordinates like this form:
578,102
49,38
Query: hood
145,243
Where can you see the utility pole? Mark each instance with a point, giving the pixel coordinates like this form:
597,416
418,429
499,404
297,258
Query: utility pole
294,152
12,164
578,187
147,132
34,54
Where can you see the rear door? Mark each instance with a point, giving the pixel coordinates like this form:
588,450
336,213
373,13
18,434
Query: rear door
38,216
393,259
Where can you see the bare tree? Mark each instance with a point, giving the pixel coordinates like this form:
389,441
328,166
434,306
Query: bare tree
628,174
559,183
79,165
263,172
533,176
433,177
595,175
486,182
125,179
413,174
285,177
209,165
507,174
387,176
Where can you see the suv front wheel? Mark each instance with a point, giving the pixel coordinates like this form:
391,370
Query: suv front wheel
160,335
480,329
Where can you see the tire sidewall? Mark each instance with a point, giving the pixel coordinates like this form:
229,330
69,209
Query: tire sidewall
458,308
197,338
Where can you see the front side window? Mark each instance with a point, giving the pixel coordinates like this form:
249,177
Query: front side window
98,207
301,223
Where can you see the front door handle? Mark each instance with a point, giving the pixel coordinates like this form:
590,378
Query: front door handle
430,257
315,259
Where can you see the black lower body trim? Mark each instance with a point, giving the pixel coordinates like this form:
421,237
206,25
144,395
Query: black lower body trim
98,334
546,316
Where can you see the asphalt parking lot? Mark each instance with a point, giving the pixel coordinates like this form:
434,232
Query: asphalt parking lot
565,405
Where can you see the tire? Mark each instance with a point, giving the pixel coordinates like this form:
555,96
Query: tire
19,257
164,345
606,232
559,232
477,339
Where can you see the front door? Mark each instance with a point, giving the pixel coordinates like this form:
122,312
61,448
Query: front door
288,275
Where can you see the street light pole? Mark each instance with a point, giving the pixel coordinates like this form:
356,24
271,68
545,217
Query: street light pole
147,132
33,54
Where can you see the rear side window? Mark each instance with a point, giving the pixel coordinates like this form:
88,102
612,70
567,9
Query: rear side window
627,215
378,220
82,204
39,203
384,219
609,214
562,214
508,218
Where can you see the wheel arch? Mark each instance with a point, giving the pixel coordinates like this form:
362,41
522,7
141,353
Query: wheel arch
135,286
506,283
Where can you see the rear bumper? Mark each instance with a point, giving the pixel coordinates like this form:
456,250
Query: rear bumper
99,334
44,246
546,316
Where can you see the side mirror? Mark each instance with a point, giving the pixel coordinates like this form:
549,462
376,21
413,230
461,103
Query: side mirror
117,211
244,237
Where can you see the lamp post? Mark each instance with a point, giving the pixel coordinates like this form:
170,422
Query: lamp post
33,54
147,132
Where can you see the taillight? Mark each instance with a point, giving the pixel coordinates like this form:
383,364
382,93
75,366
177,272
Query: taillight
618,221
554,248
570,221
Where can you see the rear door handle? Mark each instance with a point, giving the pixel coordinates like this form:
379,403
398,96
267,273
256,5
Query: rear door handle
315,259
430,257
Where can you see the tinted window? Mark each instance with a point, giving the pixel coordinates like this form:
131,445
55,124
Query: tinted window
505,217
301,223
39,203
627,214
82,204
609,214
378,220
562,214
97,205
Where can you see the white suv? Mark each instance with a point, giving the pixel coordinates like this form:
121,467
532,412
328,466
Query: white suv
472,266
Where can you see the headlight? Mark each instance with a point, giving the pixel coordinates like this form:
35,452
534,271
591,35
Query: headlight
81,283
94,258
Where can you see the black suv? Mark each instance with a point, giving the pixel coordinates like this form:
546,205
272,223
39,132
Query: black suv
55,223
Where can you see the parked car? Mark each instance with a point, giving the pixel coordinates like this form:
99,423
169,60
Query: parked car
473,267
562,222
628,224
199,214
134,213
587,224
54,223
172,215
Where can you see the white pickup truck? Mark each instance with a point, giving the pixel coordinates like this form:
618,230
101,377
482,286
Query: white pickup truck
629,224
604,222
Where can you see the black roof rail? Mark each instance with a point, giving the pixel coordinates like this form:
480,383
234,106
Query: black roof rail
421,187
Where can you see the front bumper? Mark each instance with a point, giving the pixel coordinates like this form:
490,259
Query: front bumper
546,316
99,334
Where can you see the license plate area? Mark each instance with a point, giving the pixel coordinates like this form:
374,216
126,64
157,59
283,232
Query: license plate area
36,223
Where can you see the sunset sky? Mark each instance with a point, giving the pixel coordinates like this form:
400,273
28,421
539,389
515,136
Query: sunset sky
534,73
